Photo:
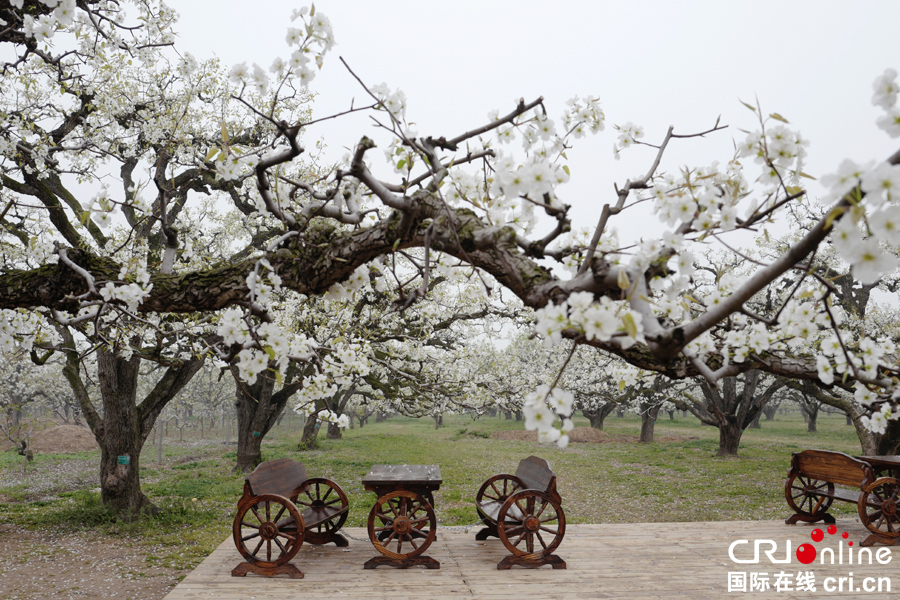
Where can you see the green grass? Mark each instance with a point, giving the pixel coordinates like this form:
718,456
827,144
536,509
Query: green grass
676,478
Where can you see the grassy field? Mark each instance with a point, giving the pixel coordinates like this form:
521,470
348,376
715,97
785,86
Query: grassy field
676,478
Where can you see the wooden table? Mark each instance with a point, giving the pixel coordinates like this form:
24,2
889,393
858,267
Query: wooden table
884,465
403,514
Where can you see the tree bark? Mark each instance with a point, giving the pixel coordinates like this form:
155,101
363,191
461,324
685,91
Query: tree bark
334,431
258,409
124,425
729,438
648,420
308,440
596,416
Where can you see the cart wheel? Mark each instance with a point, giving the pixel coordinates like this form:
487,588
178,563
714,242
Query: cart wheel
498,488
403,518
878,506
800,493
323,493
525,516
269,532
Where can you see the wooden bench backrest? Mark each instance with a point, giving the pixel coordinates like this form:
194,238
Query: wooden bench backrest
536,474
835,467
281,476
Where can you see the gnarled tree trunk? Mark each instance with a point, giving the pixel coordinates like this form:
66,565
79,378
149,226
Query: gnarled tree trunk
125,424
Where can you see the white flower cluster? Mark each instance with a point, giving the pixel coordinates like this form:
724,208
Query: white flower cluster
393,102
314,39
858,237
131,294
18,328
45,26
629,134
339,292
706,197
342,421
539,408
583,116
865,355
885,96
263,282
596,320
780,151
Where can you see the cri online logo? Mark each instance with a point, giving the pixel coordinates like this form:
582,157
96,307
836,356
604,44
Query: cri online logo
806,553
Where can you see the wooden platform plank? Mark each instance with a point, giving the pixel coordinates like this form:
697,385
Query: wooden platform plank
664,561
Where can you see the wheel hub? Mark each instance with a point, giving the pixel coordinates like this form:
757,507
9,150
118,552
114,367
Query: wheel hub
889,508
402,525
268,530
532,523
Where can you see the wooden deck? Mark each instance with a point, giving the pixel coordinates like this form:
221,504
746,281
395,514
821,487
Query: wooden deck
637,561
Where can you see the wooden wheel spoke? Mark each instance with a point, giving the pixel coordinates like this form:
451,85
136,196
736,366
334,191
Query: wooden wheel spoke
245,524
411,541
258,546
250,537
259,518
280,512
278,543
417,522
334,501
287,535
544,505
540,539
302,503
529,543
498,493
548,530
328,493
550,519
269,550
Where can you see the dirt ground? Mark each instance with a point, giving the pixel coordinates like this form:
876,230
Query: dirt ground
583,435
40,565
45,564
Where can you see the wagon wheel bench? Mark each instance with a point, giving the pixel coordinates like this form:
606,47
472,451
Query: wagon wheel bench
403,514
280,509
810,491
524,507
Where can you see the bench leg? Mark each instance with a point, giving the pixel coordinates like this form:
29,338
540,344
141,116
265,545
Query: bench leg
794,519
286,569
531,562
486,532
402,563
877,538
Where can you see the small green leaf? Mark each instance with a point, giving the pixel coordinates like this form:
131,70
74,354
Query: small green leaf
224,134
807,175
794,190
778,117
566,169
621,385
212,152
312,10
401,164
396,244
834,214
623,281
750,106
270,352
630,325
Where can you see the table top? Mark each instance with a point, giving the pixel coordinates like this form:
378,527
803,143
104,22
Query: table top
882,461
403,475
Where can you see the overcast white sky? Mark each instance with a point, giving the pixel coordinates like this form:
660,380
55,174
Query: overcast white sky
653,63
